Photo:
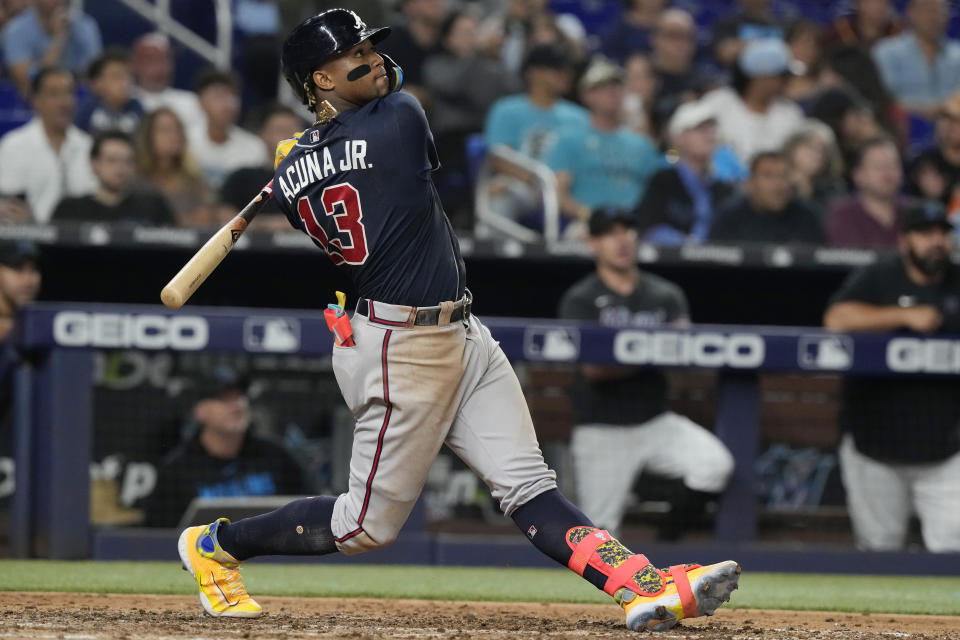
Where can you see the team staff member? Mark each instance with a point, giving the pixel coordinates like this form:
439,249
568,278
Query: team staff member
623,426
421,370
19,285
900,451
222,458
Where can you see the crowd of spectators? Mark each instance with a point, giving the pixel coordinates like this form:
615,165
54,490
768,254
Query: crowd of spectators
756,126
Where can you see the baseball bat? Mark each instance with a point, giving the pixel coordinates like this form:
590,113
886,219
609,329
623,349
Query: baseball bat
205,260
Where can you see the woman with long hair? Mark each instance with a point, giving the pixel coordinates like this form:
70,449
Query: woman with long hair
164,162
816,165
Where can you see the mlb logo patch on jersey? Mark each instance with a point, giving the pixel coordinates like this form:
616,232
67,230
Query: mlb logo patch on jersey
314,137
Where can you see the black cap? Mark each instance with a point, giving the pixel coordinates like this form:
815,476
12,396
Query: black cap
551,56
830,105
929,213
602,219
14,253
223,378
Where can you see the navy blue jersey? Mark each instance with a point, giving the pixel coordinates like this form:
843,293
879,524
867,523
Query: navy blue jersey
361,187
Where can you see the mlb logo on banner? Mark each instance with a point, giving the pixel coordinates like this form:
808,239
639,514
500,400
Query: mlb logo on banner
271,335
557,344
825,352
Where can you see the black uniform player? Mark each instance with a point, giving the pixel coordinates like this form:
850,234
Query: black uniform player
900,452
423,371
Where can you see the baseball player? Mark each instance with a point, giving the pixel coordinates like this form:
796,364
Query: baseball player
422,370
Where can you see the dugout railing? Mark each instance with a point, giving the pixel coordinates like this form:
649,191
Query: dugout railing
52,416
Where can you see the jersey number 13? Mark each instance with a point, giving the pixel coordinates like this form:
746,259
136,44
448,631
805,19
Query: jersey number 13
342,203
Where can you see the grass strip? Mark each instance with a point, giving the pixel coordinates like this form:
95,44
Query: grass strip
866,594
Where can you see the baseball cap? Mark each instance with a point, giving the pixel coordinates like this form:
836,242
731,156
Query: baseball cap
14,253
768,57
602,219
690,115
221,379
600,72
551,56
924,215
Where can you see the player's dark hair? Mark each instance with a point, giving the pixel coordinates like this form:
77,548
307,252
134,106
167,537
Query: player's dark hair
113,54
102,137
871,143
211,76
763,156
37,82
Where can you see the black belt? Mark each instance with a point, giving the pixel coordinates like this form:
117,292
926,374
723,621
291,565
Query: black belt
429,317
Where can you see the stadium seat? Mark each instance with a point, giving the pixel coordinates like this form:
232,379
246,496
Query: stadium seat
14,111
595,15
921,133
475,149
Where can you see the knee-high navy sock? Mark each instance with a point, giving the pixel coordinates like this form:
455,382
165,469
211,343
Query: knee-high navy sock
545,521
300,528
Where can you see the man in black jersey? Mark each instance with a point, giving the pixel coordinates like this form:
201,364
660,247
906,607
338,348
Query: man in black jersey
423,371
900,451
623,425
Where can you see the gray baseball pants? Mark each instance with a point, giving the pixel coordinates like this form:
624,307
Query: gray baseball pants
412,389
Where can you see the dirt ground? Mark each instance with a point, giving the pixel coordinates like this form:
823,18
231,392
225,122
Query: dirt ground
122,617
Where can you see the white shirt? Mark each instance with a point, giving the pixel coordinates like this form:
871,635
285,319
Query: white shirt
184,103
241,149
748,132
29,166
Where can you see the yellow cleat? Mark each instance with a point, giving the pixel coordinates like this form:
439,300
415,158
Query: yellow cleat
217,573
689,591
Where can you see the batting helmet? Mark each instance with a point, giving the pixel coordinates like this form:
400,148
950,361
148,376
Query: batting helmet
319,38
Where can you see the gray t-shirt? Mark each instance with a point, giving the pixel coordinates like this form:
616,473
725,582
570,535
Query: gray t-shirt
642,395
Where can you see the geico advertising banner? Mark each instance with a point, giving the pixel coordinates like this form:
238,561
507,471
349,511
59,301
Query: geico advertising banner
741,348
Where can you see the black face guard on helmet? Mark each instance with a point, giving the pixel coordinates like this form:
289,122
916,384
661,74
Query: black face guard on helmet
318,39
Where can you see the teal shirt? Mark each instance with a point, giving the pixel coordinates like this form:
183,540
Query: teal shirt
608,169
528,128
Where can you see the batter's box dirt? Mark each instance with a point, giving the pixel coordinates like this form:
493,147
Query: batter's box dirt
80,616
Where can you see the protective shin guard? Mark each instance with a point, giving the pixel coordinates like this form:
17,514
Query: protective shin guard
300,528
596,549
